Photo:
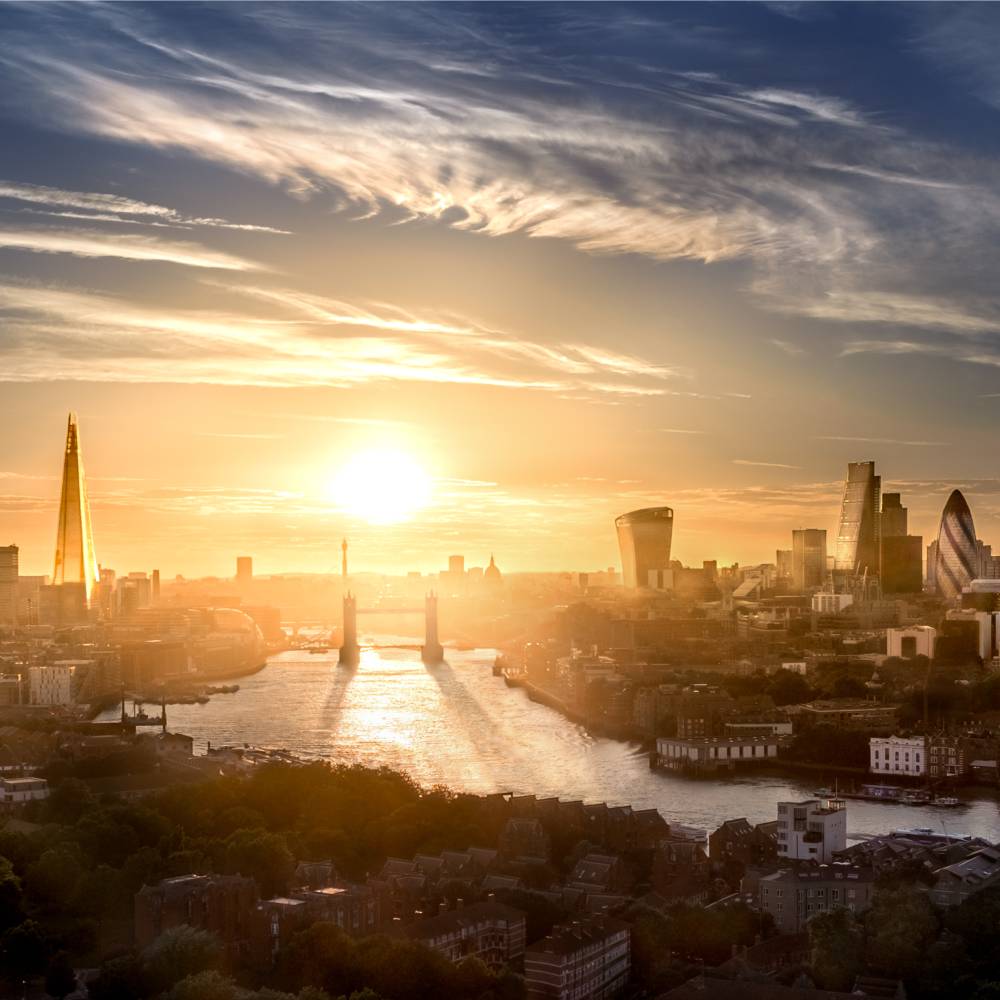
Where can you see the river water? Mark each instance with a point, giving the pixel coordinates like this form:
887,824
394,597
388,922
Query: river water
458,725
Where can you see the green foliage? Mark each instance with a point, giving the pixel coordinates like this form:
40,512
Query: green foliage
60,977
836,943
178,953
119,978
261,855
24,950
900,927
207,985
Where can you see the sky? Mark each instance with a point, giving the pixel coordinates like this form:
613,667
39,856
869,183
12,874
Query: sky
569,260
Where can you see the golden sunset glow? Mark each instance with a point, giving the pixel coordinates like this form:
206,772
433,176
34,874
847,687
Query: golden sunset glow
381,486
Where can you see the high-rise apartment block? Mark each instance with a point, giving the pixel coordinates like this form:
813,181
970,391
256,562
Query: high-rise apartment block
808,558
244,569
859,530
644,538
813,830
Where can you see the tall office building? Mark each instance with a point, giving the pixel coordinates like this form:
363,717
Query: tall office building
859,531
957,549
75,563
894,516
808,558
783,562
8,584
644,538
244,569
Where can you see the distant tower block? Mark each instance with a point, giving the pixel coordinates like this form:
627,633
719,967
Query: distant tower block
350,652
244,569
343,559
432,651
75,562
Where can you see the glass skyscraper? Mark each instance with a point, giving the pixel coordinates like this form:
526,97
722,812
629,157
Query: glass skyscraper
644,538
859,534
75,563
957,549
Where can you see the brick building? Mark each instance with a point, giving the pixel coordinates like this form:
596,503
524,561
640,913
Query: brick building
587,959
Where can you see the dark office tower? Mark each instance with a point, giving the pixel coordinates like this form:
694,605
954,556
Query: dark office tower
902,564
644,538
893,516
808,558
156,585
957,549
8,584
858,534
75,563
244,569
783,560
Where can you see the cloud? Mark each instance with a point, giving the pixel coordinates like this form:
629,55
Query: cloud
764,465
115,208
502,127
126,246
879,440
59,333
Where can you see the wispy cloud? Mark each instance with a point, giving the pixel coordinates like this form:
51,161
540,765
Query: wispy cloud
764,465
126,246
880,440
97,206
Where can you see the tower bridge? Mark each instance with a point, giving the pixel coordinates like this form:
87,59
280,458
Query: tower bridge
431,651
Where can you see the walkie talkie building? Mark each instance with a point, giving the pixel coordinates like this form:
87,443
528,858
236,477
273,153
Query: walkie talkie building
644,538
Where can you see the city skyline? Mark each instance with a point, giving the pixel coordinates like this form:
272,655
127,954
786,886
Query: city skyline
380,246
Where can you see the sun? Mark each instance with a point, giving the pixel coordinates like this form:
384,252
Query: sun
381,486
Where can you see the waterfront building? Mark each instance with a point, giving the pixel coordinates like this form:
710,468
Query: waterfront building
813,830
845,713
490,931
244,569
644,538
75,560
793,896
588,959
8,584
907,643
699,755
859,530
898,755
957,557
52,684
946,757
808,558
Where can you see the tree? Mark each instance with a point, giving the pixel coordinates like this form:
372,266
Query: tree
900,927
119,977
835,945
178,953
10,896
262,855
68,801
207,985
60,976
24,950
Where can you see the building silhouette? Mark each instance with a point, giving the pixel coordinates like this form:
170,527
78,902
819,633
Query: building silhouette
808,558
902,554
644,538
75,562
859,532
244,569
957,557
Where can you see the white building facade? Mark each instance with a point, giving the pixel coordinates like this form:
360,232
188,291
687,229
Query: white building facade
51,685
813,830
898,755
907,643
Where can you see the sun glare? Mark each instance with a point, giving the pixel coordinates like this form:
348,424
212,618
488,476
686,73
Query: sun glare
382,486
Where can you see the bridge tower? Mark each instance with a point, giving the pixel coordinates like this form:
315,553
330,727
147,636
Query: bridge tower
350,652
432,651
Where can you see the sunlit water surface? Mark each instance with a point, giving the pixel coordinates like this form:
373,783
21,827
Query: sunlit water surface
458,725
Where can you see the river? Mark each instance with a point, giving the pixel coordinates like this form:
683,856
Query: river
458,725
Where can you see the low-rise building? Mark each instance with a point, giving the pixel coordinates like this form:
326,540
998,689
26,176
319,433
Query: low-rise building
490,931
17,791
955,883
51,684
898,755
847,713
812,830
908,643
793,895
587,959
712,755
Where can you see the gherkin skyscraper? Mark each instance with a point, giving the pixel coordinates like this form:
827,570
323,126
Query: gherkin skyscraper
75,562
957,549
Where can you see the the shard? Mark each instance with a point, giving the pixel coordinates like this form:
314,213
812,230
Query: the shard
76,563
957,550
